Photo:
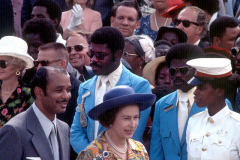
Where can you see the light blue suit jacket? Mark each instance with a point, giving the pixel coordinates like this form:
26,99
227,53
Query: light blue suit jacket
81,137
165,139
229,5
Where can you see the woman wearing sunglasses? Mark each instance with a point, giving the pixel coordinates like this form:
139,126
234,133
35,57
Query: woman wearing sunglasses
81,16
214,133
15,96
119,114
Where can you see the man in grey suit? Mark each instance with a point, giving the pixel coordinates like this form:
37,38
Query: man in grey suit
37,132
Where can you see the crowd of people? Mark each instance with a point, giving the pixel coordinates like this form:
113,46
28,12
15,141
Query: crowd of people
120,79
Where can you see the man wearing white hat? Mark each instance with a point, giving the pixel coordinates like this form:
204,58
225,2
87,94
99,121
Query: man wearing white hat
211,134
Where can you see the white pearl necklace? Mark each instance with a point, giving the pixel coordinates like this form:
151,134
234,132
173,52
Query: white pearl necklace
120,150
156,21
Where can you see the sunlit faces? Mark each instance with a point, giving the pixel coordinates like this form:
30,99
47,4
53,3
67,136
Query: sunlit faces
228,38
58,93
205,95
33,41
78,59
193,31
126,20
51,56
133,59
105,66
179,80
10,71
125,123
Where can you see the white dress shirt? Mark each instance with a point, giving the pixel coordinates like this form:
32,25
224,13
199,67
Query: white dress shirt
214,137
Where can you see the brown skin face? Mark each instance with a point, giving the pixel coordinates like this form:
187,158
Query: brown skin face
107,65
179,80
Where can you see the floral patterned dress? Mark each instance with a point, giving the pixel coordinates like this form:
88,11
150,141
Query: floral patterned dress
99,150
19,101
146,29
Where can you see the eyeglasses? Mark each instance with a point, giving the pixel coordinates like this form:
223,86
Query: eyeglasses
3,64
185,23
77,48
125,53
99,55
235,51
183,70
44,62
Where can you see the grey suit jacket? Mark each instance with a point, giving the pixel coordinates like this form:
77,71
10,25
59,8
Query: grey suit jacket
23,136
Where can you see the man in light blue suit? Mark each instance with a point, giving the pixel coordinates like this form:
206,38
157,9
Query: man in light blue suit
165,143
105,52
170,119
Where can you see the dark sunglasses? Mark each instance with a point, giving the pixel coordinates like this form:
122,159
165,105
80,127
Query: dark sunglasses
235,51
99,55
183,70
185,23
3,64
44,62
77,48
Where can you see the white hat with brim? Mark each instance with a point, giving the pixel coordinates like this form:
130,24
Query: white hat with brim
213,68
15,47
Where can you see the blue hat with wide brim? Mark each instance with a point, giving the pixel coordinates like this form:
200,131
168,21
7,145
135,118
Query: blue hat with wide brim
120,96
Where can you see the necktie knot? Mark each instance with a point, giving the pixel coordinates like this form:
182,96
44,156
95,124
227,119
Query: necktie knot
104,79
183,97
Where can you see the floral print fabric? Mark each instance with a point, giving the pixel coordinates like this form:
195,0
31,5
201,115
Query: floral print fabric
19,101
99,150
146,29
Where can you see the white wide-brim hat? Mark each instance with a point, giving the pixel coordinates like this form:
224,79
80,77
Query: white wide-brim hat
16,47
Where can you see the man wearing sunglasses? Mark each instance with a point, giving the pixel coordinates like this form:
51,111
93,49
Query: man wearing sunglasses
193,21
172,112
105,52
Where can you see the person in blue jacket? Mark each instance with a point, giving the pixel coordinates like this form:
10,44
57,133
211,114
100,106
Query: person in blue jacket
173,111
105,52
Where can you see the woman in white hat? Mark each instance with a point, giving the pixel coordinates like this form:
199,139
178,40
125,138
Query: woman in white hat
214,133
119,113
15,97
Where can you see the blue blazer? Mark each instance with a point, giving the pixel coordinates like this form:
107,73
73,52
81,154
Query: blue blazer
80,136
165,139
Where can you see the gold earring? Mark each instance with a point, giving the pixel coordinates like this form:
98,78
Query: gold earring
18,73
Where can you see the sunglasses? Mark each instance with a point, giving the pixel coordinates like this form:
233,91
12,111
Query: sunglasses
183,70
3,64
235,51
44,62
77,48
185,23
98,55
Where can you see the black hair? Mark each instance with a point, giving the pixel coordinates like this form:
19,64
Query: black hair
160,66
110,36
219,25
41,78
43,27
229,84
107,118
162,42
127,3
183,51
210,6
53,9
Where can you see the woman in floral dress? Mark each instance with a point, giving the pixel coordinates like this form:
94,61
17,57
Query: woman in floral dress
15,97
119,113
